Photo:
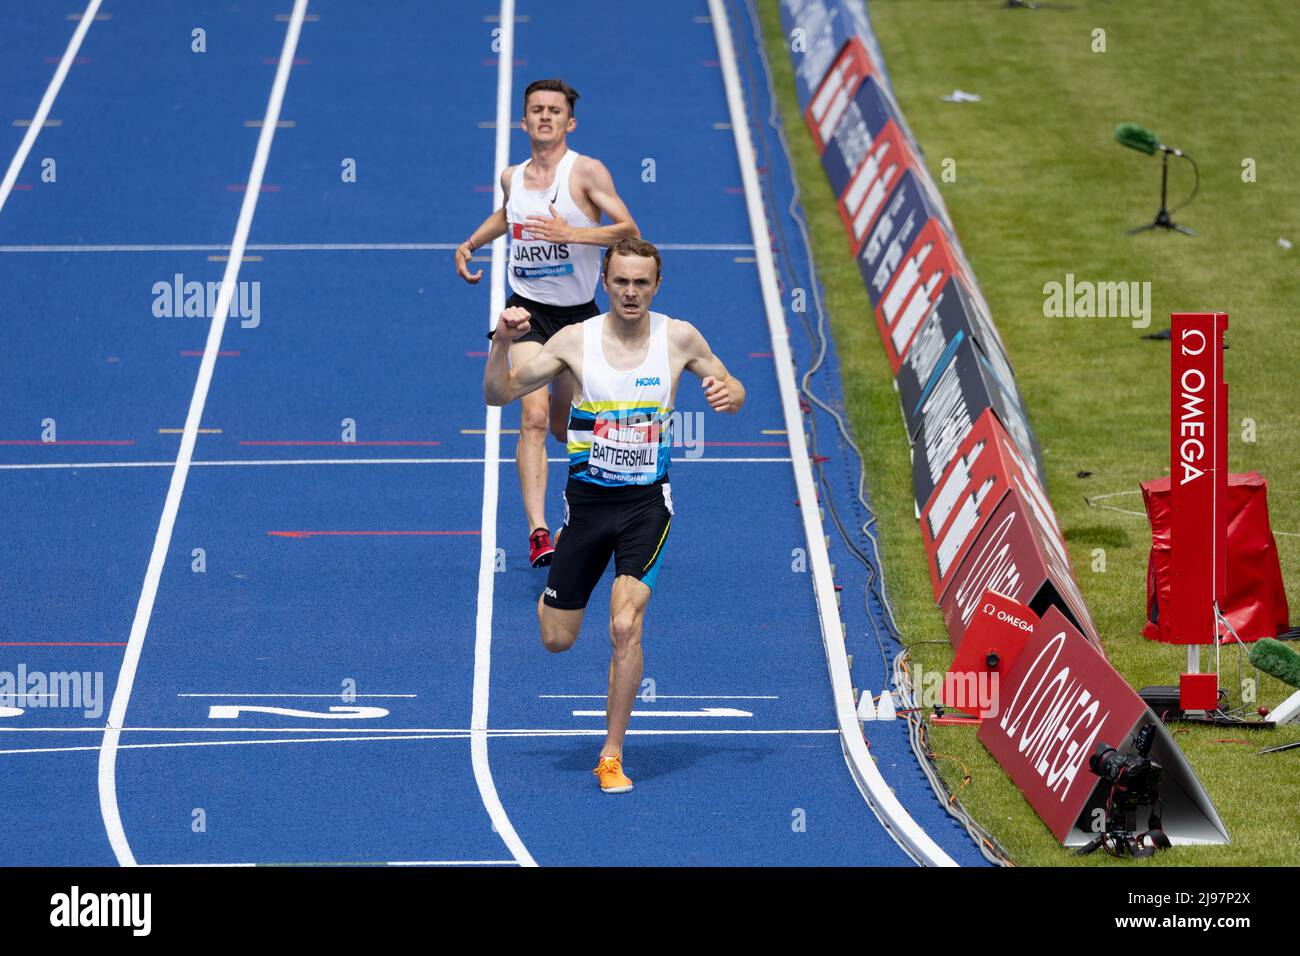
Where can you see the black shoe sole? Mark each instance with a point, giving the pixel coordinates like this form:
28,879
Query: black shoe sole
543,561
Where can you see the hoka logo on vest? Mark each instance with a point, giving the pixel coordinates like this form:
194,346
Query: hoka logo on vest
647,381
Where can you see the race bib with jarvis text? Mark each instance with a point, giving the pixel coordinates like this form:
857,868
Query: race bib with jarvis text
533,258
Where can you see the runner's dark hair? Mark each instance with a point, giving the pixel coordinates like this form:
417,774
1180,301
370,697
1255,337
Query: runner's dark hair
551,86
632,246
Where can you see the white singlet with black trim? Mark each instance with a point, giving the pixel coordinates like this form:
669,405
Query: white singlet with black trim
619,427
550,272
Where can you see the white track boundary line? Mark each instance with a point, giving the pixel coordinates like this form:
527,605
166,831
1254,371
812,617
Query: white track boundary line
326,247
892,815
162,540
478,743
47,102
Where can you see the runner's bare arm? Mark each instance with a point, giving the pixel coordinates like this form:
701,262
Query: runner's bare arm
722,390
503,384
493,226
590,178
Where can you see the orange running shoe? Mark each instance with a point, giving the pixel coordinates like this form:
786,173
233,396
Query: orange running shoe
611,776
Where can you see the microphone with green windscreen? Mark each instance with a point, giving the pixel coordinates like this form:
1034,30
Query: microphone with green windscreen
1144,141
1137,137
1275,658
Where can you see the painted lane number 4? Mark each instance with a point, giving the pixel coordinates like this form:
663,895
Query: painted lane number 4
232,711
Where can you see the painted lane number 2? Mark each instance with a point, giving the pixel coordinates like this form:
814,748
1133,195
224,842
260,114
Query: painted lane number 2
232,711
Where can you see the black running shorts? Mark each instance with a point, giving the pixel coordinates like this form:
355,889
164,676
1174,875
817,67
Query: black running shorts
629,523
546,320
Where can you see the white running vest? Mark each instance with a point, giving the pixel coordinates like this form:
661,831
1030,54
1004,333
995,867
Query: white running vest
550,272
619,433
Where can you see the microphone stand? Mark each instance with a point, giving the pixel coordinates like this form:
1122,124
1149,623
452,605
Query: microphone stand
1163,220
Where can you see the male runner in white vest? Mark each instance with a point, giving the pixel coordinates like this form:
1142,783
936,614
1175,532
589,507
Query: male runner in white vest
553,207
618,500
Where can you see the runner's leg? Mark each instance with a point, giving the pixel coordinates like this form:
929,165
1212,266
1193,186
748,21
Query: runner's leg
560,627
530,450
627,604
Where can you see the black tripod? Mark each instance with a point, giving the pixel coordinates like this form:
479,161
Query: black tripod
1120,838
1162,220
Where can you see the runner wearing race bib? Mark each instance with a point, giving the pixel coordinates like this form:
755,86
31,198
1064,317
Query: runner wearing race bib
556,273
618,501
552,211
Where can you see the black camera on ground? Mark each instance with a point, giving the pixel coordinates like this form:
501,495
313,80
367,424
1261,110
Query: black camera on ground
1135,772
1135,782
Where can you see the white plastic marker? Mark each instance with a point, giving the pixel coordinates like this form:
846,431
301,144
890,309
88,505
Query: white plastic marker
886,710
866,706
47,101
162,540
893,816
478,741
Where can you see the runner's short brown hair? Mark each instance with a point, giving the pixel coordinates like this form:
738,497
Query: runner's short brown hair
551,86
632,246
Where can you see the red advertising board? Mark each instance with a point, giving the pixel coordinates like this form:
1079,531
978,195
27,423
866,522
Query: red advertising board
914,287
957,392
1018,552
822,27
985,468
872,182
827,106
1199,475
1059,700
988,652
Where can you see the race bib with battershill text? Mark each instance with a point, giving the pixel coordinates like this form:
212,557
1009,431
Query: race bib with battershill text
625,451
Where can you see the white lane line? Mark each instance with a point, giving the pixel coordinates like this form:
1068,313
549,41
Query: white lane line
235,743
891,813
704,247
454,863
162,540
47,102
328,863
250,247
326,696
238,463
327,247
406,735
478,744
646,700
703,712
381,731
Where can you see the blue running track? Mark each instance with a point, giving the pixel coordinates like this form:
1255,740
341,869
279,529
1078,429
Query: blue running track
308,571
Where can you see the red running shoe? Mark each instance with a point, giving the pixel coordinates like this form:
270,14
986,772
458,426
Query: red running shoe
540,548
